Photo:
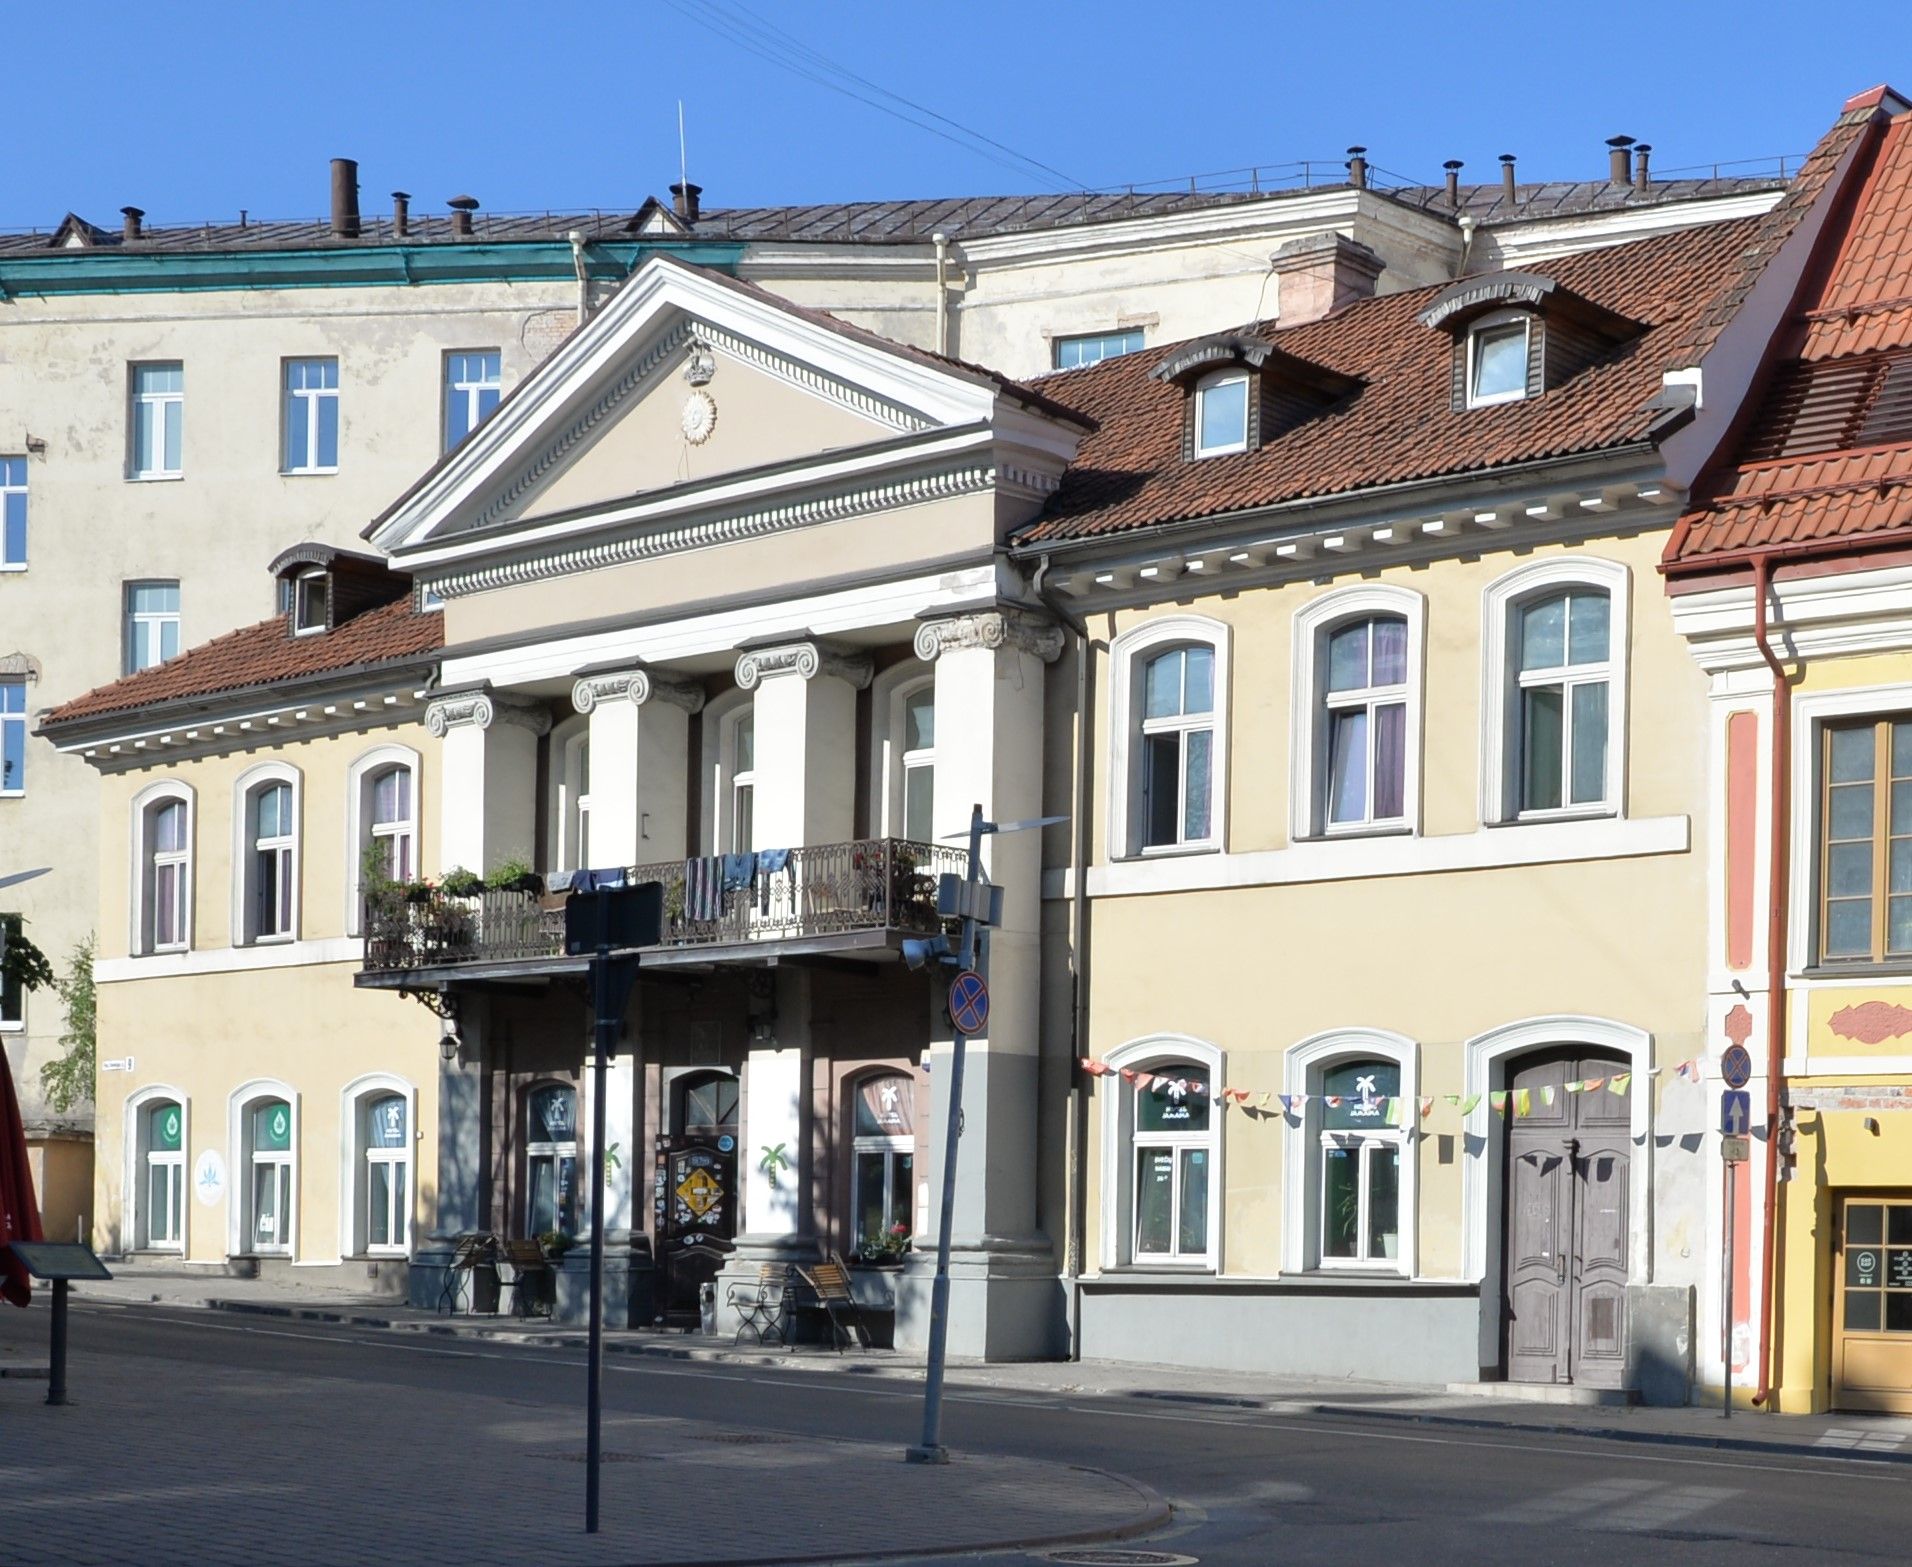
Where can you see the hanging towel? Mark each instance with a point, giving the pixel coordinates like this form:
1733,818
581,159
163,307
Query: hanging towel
740,870
704,888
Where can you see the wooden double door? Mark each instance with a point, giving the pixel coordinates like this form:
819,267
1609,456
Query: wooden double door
1567,1185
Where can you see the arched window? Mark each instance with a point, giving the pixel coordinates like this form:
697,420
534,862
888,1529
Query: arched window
551,1160
388,1161
161,1201
269,863
917,745
382,813
1169,772
1357,719
903,752
393,824
705,1104
1349,1176
163,842
883,1163
1162,1141
269,1154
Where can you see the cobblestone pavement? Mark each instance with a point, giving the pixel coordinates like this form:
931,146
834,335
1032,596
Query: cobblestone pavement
156,1463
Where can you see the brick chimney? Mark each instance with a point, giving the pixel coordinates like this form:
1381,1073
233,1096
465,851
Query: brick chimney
684,201
1317,275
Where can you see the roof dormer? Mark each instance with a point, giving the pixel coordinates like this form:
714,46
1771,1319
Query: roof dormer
1240,392
1519,334
322,587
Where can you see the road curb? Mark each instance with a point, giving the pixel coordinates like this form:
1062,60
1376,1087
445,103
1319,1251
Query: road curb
1612,1434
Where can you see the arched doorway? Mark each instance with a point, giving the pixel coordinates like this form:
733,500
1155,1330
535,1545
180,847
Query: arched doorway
1566,1249
695,1201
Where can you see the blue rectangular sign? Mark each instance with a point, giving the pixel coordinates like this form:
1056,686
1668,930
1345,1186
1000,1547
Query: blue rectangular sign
1735,1112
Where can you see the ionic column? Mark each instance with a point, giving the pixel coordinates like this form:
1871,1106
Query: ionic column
805,711
640,750
489,752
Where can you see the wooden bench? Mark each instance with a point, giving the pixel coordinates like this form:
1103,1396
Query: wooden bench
825,1287
523,1268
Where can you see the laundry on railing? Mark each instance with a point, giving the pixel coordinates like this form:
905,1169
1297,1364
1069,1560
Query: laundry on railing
704,888
596,881
740,872
769,863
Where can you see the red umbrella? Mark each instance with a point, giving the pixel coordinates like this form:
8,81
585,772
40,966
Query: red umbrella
19,1208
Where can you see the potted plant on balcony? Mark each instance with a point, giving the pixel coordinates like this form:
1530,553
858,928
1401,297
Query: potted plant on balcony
515,875
461,883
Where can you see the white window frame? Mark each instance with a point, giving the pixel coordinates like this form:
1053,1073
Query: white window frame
887,1145
133,1191
1129,655
574,791
153,405
356,1156
19,721
9,489
239,1215
541,1147
1303,1066
470,392
245,931
1308,759
1501,604
306,400
366,769
155,620
141,937
1203,387
1102,340
1118,1150
1498,321
302,624
890,762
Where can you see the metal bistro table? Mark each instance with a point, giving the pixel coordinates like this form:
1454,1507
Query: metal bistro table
471,1250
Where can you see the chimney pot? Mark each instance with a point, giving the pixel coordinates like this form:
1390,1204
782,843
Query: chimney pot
1453,167
345,209
1358,167
462,207
1642,178
1507,186
1617,159
132,215
684,201
401,213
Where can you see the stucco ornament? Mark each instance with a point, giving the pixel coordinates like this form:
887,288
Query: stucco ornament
699,417
1872,1022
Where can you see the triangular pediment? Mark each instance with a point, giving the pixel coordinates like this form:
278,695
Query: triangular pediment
684,381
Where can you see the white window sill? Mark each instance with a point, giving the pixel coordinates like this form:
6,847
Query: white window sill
1603,837
13,1025
1170,851
155,478
1572,813
285,940
307,473
13,794
1344,831
11,565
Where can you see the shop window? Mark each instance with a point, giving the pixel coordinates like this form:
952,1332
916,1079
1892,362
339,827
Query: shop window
1361,1152
385,1138
551,1161
161,1206
883,1124
268,1217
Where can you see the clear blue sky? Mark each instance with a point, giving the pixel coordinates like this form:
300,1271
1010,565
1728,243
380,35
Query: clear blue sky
193,109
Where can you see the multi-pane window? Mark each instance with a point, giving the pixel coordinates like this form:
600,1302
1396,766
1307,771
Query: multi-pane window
743,780
13,997
393,829
311,416
472,390
1178,742
1091,348
884,1149
576,851
1875,1284
1361,1142
551,1162
919,764
166,874
1497,364
269,1153
1221,416
151,632
13,513
13,734
159,414
272,835
1174,1155
161,1207
387,1173
311,602
1866,849
1364,704
1564,666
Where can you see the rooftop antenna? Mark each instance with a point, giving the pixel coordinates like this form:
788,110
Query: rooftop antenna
683,158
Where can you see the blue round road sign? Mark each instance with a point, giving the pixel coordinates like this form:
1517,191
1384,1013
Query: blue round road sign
969,1002
1736,1066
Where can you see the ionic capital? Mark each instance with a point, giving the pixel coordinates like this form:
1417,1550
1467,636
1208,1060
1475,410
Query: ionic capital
990,629
804,659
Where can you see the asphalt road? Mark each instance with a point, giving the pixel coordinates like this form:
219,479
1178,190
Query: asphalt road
1250,1487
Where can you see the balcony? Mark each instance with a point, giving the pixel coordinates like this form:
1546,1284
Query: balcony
864,895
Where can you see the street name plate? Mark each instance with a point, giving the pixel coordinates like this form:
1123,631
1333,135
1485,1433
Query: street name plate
1736,1150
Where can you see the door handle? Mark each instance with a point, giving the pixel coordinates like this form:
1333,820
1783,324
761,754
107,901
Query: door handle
1560,1267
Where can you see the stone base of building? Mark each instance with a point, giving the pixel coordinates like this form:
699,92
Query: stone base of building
1006,1301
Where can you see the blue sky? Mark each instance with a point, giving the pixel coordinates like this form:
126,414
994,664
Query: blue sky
193,110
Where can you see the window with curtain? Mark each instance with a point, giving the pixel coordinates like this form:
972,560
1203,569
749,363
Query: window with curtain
161,1209
918,748
391,826
551,1161
1173,1144
1177,747
1563,659
1364,723
1865,850
1360,1151
269,1155
167,875
384,1137
883,1151
270,870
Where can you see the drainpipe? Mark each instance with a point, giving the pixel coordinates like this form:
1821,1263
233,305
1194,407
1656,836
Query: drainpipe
941,241
576,237
1775,962
1078,1129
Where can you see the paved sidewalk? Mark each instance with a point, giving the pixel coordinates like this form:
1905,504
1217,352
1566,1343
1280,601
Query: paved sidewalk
1881,1438
158,1462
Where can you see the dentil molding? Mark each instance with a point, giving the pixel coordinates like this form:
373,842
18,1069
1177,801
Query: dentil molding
636,686
990,630
480,710
805,659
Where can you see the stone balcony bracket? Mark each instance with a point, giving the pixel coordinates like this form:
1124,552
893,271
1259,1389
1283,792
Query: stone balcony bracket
990,629
806,659
636,686
482,709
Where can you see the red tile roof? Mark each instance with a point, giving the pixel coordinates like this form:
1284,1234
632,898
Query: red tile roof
1400,426
266,655
1827,457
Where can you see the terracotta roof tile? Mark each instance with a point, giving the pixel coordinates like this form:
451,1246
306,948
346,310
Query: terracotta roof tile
264,655
1399,426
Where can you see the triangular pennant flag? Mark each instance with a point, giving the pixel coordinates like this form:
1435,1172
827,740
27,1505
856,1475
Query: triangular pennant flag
1578,1085
1332,1101
1455,1099
1264,1100
1143,1079
1499,1101
1427,1107
1391,1111
1618,1083
1291,1104
1198,1087
1594,1084
1546,1094
1523,1101
1690,1070
1469,1103
1128,1074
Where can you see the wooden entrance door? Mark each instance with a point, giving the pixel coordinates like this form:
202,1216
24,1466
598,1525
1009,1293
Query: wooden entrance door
1872,1306
1567,1193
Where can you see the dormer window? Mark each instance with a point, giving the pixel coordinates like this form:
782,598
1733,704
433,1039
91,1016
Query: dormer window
1221,415
1497,363
311,600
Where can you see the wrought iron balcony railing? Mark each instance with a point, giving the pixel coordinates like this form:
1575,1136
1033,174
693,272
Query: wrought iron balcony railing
873,884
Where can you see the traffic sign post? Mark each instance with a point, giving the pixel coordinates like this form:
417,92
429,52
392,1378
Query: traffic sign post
1735,1112
1735,1147
969,1003
1736,1066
